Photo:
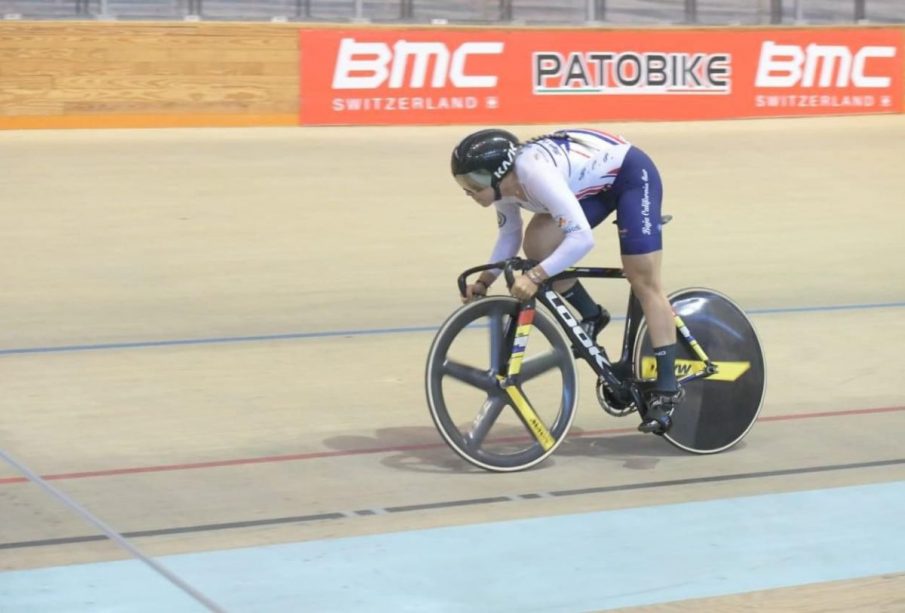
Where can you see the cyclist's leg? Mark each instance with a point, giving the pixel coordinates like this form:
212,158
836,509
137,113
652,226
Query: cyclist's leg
643,272
640,194
542,237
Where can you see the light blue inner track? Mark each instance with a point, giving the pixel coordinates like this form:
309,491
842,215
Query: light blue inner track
582,562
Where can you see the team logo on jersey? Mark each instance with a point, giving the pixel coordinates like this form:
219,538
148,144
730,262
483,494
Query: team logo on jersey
500,219
645,205
565,226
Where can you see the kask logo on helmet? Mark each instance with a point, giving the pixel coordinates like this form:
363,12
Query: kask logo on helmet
506,164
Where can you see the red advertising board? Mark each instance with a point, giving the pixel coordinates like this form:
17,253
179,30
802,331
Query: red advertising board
433,76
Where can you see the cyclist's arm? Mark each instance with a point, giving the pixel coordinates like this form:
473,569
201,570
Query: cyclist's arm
509,239
545,184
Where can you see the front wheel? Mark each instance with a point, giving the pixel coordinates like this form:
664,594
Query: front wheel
495,424
718,410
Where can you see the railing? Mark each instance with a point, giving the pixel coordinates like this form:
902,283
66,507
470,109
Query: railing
566,12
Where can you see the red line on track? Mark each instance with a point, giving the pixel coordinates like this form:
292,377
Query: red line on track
111,472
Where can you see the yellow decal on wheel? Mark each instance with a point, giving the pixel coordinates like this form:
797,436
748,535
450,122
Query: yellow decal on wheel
726,371
537,427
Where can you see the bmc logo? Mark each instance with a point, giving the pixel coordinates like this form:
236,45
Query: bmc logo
820,66
407,64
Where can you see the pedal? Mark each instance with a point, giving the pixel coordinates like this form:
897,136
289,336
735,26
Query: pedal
654,426
662,407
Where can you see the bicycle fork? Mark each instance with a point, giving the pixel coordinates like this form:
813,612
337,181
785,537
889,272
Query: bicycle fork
508,383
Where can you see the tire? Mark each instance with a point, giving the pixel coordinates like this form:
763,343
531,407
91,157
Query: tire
718,411
474,414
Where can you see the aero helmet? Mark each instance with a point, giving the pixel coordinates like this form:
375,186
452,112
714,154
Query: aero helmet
483,158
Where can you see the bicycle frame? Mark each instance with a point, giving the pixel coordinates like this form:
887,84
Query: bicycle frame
588,350
584,347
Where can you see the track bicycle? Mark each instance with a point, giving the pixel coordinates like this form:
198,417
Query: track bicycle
502,382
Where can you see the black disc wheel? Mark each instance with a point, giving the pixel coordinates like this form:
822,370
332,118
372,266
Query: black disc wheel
718,410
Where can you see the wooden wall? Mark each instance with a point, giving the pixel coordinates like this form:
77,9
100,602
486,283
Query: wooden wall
149,74
113,74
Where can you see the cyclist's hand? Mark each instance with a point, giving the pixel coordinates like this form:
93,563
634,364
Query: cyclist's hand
523,288
474,291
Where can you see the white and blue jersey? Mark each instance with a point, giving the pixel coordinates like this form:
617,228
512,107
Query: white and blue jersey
579,177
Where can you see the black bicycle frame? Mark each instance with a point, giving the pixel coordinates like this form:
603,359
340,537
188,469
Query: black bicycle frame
585,347
594,354
633,316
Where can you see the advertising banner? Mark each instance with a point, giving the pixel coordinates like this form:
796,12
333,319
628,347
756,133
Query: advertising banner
434,76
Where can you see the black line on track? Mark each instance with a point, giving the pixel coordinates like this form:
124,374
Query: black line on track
298,519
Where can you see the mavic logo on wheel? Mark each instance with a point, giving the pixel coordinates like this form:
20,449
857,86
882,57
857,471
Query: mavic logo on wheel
576,328
726,371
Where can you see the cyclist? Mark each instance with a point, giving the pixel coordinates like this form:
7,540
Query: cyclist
572,180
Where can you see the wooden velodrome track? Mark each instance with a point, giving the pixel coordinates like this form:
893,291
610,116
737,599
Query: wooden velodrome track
204,330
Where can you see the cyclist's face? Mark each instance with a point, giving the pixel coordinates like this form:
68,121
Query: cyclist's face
483,197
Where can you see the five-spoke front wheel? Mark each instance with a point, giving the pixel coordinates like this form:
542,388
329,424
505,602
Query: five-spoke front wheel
494,421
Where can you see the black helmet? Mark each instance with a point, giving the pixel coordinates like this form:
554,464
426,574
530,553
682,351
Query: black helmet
483,158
